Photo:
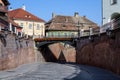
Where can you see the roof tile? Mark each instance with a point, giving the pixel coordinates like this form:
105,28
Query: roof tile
60,22
23,15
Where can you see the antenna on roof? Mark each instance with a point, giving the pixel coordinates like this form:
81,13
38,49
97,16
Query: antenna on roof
23,7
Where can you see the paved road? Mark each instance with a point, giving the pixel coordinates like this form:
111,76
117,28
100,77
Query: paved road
55,71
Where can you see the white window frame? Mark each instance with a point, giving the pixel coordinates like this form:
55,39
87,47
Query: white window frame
38,27
30,26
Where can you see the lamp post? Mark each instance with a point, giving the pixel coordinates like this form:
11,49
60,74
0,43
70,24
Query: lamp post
78,26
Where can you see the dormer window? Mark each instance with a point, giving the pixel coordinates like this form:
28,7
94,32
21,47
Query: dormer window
27,16
113,2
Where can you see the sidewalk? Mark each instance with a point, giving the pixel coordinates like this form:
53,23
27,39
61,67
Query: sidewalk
22,69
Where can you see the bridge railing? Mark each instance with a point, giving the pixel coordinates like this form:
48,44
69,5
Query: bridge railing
113,24
62,36
82,34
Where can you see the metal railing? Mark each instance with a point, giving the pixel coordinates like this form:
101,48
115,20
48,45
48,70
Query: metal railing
113,24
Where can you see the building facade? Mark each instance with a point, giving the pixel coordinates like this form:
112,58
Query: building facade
109,7
31,25
3,14
69,26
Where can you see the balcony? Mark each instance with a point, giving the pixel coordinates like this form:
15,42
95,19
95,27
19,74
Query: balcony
3,9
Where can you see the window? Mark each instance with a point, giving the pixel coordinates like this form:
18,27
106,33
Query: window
58,34
21,24
38,27
113,2
65,34
30,26
52,35
72,35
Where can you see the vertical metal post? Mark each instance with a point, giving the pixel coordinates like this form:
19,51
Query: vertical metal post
78,25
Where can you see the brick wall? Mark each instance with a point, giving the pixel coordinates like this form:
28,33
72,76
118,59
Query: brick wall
102,51
57,52
14,52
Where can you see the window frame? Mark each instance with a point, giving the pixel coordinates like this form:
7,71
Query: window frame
113,2
21,24
30,26
38,27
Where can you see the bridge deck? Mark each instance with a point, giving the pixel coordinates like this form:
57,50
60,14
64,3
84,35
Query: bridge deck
52,39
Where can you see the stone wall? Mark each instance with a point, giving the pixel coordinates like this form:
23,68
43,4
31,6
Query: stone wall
14,52
63,52
57,52
102,51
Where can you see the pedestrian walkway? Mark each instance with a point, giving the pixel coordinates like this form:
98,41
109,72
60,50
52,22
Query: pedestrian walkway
55,71
25,68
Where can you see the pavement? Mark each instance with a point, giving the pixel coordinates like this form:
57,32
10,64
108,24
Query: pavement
55,71
20,70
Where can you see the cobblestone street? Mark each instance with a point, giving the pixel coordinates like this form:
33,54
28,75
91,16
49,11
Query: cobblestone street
55,71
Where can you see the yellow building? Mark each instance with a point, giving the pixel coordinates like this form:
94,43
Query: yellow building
32,25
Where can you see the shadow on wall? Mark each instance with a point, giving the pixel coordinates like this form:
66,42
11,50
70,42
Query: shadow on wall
62,58
49,55
3,40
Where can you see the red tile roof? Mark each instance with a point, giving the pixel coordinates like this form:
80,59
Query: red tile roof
23,15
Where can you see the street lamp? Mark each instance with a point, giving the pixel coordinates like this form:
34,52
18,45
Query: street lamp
78,25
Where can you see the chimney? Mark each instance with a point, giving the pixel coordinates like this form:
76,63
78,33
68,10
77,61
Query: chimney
84,16
76,14
10,9
24,7
53,15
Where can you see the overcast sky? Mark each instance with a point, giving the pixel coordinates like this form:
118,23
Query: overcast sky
44,8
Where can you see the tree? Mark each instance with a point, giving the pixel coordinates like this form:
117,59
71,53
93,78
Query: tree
115,16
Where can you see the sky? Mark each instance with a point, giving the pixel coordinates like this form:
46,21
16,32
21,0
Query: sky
44,8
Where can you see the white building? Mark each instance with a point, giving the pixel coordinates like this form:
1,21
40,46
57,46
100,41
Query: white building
109,7
31,24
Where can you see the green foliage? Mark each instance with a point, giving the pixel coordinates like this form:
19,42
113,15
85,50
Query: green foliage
115,16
